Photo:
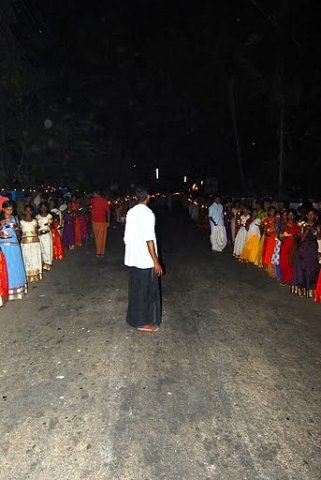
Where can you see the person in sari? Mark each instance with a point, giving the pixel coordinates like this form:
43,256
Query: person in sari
68,237
30,245
280,221
288,237
261,213
84,225
58,250
241,236
270,236
75,206
4,286
10,246
44,219
251,248
306,266
56,214
228,217
317,296
238,220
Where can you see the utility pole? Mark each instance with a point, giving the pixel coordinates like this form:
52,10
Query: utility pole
281,153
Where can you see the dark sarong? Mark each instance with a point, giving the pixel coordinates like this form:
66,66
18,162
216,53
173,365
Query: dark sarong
143,298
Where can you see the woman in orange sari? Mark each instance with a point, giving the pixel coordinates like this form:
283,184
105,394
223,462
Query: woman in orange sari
58,250
75,206
270,236
4,286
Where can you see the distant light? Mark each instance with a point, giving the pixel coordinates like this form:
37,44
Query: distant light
185,179
194,187
202,182
157,173
253,143
48,123
134,166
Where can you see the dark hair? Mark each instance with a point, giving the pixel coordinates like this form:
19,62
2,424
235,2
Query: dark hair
7,203
274,210
31,207
293,211
310,209
43,204
141,194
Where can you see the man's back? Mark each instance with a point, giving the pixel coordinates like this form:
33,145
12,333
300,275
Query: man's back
140,228
100,209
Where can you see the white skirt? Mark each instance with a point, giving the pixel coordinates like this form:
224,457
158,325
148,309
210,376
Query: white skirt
31,253
46,250
218,238
240,241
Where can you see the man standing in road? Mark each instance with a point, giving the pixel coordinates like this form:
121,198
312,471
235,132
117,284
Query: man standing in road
144,312
100,213
218,232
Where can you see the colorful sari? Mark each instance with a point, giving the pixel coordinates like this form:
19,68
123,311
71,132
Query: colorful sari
45,237
75,208
251,248
84,227
317,296
288,244
9,244
306,267
31,250
58,251
269,245
4,286
68,237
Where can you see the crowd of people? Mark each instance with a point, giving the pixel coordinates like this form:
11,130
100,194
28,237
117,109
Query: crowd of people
285,242
39,229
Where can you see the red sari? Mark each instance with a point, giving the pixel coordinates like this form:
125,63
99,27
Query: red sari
4,286
269,245
287,249
75,207
58,251
317,297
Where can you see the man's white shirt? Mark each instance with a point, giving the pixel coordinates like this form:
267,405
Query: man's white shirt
139,229
216,212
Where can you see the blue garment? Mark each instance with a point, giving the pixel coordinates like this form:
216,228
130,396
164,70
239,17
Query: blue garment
13,255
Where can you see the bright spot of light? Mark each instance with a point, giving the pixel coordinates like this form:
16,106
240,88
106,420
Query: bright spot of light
157,174
185,179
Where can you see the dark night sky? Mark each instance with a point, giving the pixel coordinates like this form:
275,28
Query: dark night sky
148,83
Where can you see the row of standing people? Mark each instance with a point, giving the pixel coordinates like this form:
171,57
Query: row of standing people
288,248
30,243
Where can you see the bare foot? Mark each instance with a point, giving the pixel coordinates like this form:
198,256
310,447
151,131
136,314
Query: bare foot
148,328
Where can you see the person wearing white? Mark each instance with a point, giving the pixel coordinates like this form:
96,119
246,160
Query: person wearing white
241,236
218,232
30,246
44,220
141,257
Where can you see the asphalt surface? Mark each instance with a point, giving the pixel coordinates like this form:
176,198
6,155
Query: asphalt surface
228,389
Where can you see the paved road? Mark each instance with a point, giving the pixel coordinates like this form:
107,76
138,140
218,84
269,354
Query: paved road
229,389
